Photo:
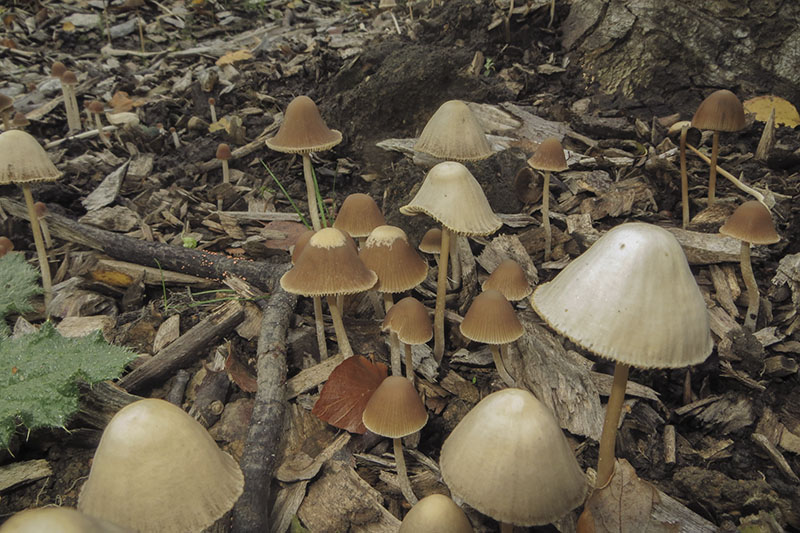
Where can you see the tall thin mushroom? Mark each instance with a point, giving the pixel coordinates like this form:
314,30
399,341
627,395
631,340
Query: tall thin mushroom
409,320
549,157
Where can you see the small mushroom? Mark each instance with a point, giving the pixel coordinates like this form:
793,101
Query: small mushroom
434,514
510,280
96,107
358,216
68,83
224,155
6,107
409,320
299,244
212,109
20,121
453,133
5,245
549,157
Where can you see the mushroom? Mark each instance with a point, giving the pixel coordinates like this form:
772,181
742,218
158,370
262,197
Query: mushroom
508,459
157,469
684,127
57,519
6,107
68,83
453,133
175,139
720,111
396,411
299,244
549,157
303,131
224,155
431,243
491,320
23,161
399,269
328,265
5,245
409,320
751,223
96,107
358,216
20,121
451,196
630,298
510,280
434,514
212,109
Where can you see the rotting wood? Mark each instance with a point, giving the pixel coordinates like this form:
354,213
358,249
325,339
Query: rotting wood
16,474
311,377
100,402
775,455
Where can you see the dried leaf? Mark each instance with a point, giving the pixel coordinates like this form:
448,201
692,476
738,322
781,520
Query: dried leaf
785,113
232,57
349,387
240,374
68,27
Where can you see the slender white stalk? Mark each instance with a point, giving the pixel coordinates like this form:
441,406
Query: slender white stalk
338,325
441,293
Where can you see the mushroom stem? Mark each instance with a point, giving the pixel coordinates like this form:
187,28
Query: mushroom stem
505,527
394,342
71,107
548,236
552,13
752,288
712,175
441,292
44,266
455,262
402,474
6,121
100,131
320,325
605,463
498,363
684,179
226,172
409,363
338,325
724,173
311,192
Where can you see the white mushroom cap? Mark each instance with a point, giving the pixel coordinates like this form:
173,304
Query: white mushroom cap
631,298
23,160
57,520
436,514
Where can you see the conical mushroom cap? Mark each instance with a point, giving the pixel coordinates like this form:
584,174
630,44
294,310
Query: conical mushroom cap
431,242
359,215
751,222
491,319
397,264
453,133
435,514
300,243
720,111
508,459
549,156
510,280
23,160
452,196
303,131
57,520
631,298
395,409
328,265
158,469
409,320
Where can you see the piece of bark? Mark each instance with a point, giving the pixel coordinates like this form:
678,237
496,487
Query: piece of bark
100,402
767,140
124,274
311,377
21,472
722,290
669,444
775,456
469,274
188,348
251,512
178,388
287,502
707,248
168,331
211,392
780,366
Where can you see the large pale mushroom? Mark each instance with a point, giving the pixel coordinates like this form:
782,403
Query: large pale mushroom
58,520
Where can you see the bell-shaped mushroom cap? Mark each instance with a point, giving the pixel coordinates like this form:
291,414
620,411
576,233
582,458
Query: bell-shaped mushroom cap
508,459
435,514
328,264
397,264
395,410
57,69
631,298
549,156
431,242
720,111
303,131
359,215
158,469
409,320
223,151
510,280
490,319
57,520
23,160
452,196
6,103
300,244
69,78
751,222
453,133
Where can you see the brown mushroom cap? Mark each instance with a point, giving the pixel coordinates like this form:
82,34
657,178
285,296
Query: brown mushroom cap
508,459
435,514
303,131
409,320
490,319
96,106
510,280
69,78
57,520
452,196
453,133
397,264
300,243
57,69
5,245
328,265
359,215
6,103
549,156
23,160
720,111
20,120
431,242
751,222
395,409
223,152
158,469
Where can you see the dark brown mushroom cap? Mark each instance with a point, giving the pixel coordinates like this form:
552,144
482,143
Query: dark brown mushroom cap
96,106
23,160
510,280
720,111
20,119
223,152
751,222
6,103
397,264
328,265
6,243
359,215
549,156
431,242
395,409
303,131
490,319
436,514
453,133
69,78
409,320
58,69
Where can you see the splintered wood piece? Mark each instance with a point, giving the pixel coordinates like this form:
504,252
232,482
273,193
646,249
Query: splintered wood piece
168,331
775,455
311,377
722,290
287,502
15,474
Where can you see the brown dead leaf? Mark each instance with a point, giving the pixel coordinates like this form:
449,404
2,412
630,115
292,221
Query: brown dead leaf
232,57
350,386
240,374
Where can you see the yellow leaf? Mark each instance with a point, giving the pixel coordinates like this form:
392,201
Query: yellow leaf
222,124
68,27
785,113
233,57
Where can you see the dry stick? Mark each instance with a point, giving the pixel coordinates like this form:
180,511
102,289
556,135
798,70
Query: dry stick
409,363
608,439
752,288
733,179
338,326
548,236
497,355
44,265
402,473
394,342
320,326
712,174
251,512
441,292
312,197
684,179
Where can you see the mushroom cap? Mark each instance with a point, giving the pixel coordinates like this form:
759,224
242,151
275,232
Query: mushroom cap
453,133
397,264
158,469
490,319
359,215
720,111
300,243
328,265
409,320
631,298
395,409
223,151
431,242
549,156
20,119
510,280
6,102
69,78
751,222
5,245
96,106
508,459
58,520
451,195
23,160
57,69
436,514
303,131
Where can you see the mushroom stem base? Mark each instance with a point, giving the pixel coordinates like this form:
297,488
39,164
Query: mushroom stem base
44,265
338,325
441,293
752,288
605,463
402,473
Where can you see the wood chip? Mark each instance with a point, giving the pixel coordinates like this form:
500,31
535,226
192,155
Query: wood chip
15,474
